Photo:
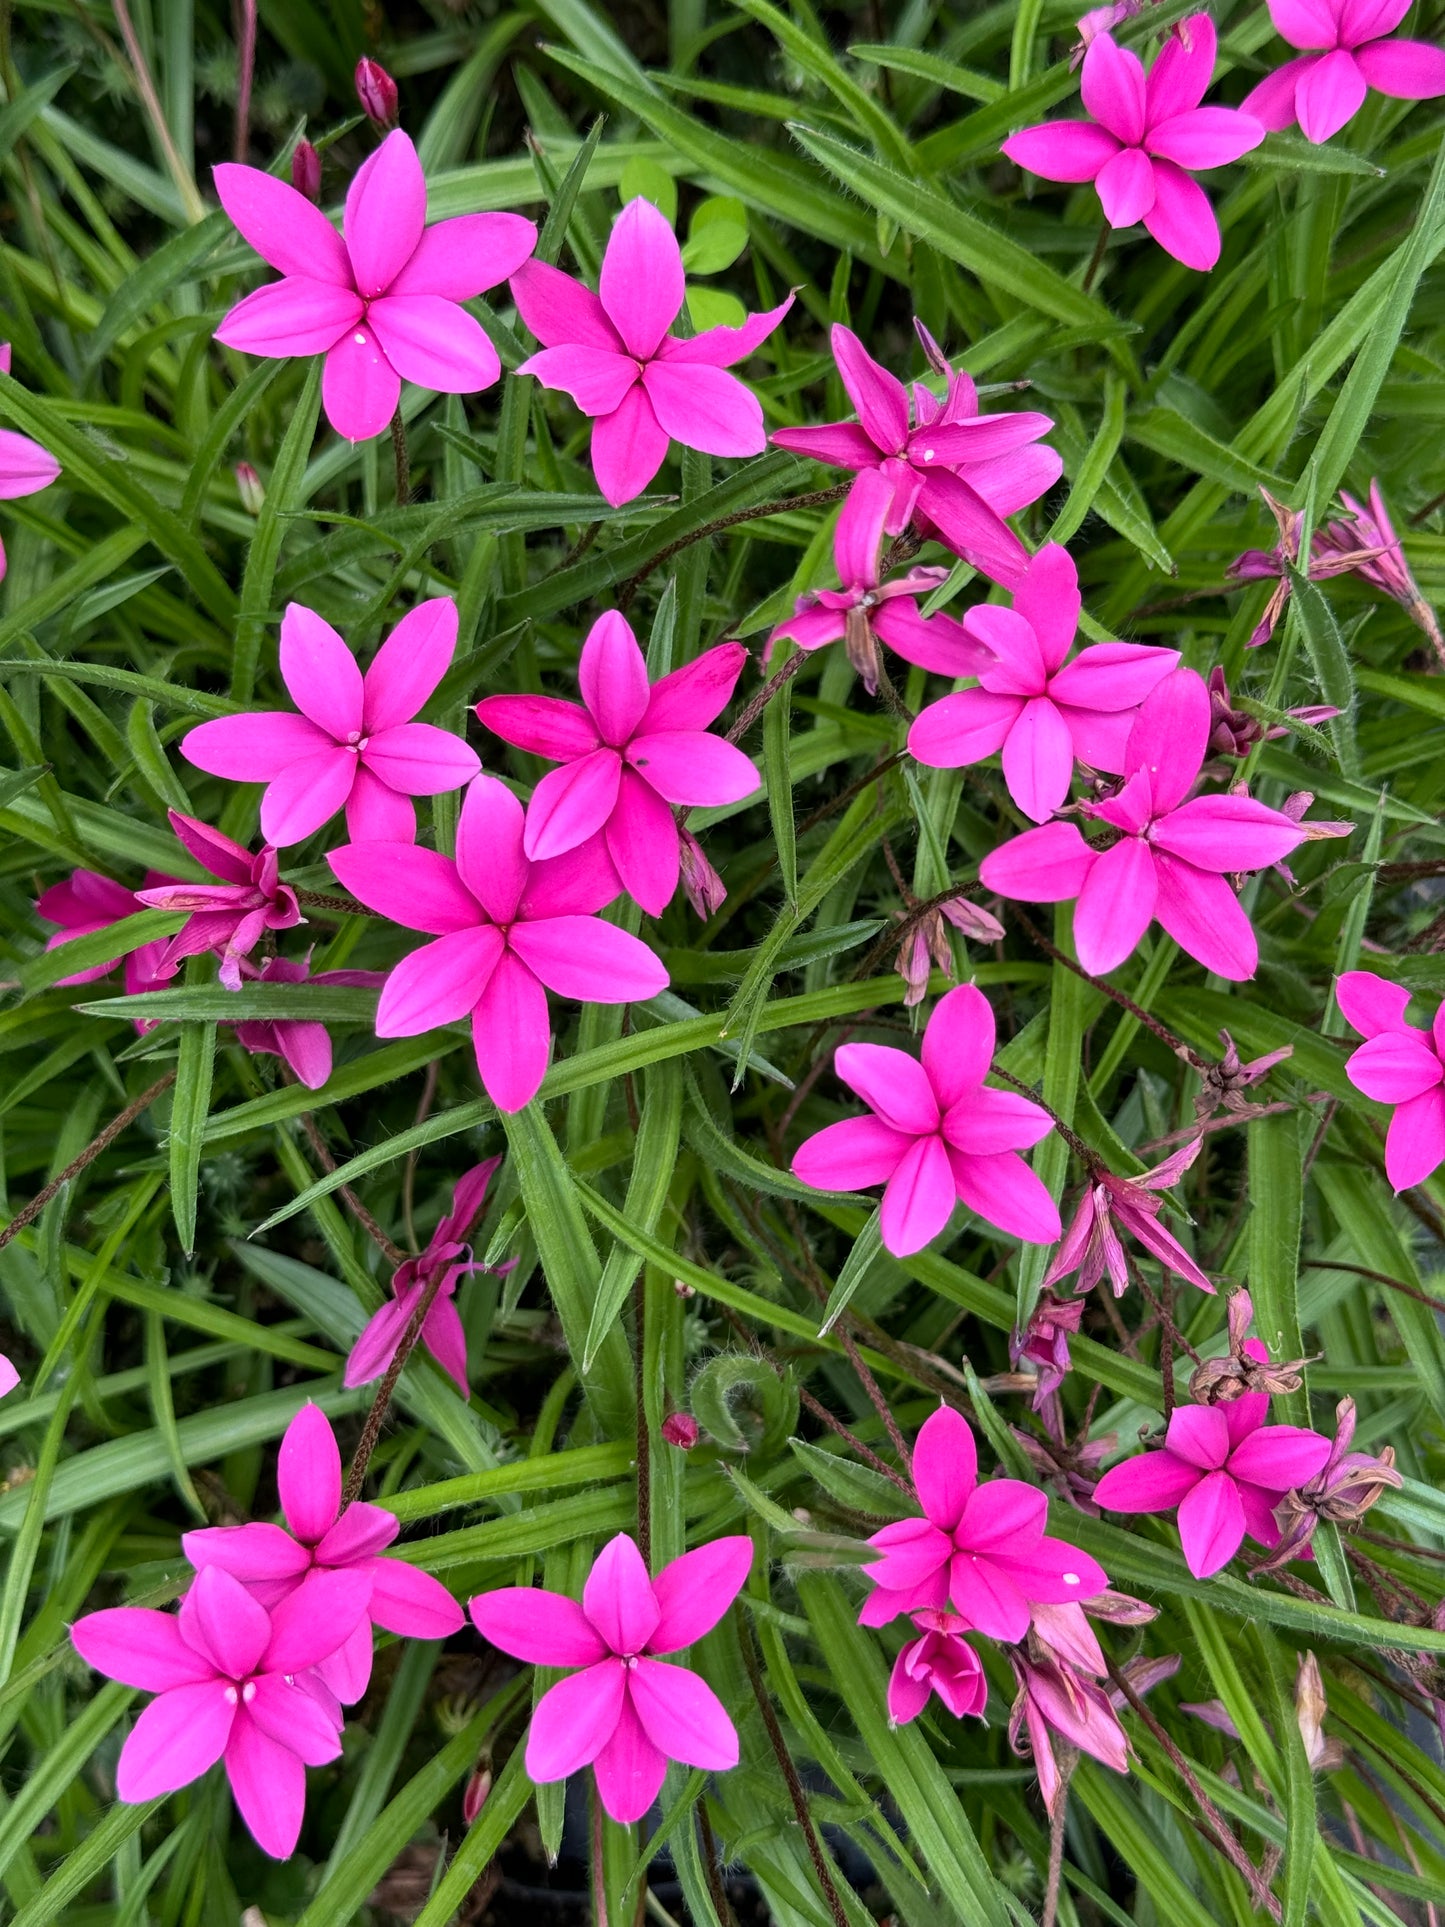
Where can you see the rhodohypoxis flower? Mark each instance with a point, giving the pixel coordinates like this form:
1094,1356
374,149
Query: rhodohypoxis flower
354,744
9,1377
297,1571
865,610
1341,1492
302,1043
1044,1342
1092,1244
939,1661
1346,51
1042,711
627,1713
628,753
981,1549
1368,541
1172,857
442,1334
223,1670
937,1133
1342,554
381,300
1398,1064
954,470
1226,1471
87,901
926,948
230,916
612,353
1148,135
1056,1702
25,467
505,928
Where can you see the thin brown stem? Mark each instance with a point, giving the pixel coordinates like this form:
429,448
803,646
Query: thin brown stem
599,1890
816,499
376,1417
1136,1011
765,695
875,1397
402,456
1379,1277
851,1440
1056,1858
27,1214
712,1867
1096,260
408,1180
393,1253
1075,1143
245,23
644,1434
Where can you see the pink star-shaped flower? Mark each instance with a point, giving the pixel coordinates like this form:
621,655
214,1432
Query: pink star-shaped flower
1346,51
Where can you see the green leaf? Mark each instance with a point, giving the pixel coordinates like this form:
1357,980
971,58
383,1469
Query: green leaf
284,492
653,1162
190,1106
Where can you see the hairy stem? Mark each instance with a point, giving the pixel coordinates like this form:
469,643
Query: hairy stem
393,1253
376,1417
816,499
402,457
28,1213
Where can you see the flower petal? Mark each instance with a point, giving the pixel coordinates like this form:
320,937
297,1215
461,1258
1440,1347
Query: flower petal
1116,905
1061,150
1002,1515
641,283
693,768
629,1769
1328,93
682,1715
1199,1434
840,444
1371,1004
1211,1524
419,889
385,214
1170,737
919,1198
512,1035
360,389
411,1603
847,1156
1038,759
694,1591
546,1628
284,228
618,1597
945,1466
1279,1457
463,257
572,803
1180,76
418,759
1112,676
1126,187
1047,865
297,316
589,959
958,1044
287,1714
597,379
1204,917
308,1474
1404,69
612,676
1205,137
310,1623
269,1783
1271,103
1181,219
221,1621
249,749
720,347
177,1738
984,1122
306,794
435,343
988,1597
1048,599
376,814
642,842
879,396
542,724
891,1083
1004,1191
1395,1066
963,728
1153,1482
139,1647
1415,1142
1306,23
559,310
490,855
972,528
440,983
692,697
1112,85
705,408
251,1553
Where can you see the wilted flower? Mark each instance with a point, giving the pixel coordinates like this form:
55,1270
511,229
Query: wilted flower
376,90
302,1043
925,948
1059,1709
306,171
703,887
1342,1492
1310,1707
1072,1468
1044,1342
1370,534
1092,1245
1256,565
1234,732
1247,1368
229,917
1223,1084
1101,20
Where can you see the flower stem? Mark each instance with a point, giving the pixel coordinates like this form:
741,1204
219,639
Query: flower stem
644,1435
1096,260
403,459
1136,1011
765,695
816,499
376,1417
1056,1858
393,1253
27,1214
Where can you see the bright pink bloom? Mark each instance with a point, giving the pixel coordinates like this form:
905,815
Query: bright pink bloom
87,901
224,1672
25,467
952,470
1055,1701
629,752
302,1043
383,304
506,927
1110,1205
1146,137
937,1133
1173,856
448,1252
9,1377
1043,712
865,610
626,1714
229,917
1398,1064
1347,52
612,353
354,745
939,1661
296,1574
1225,1469
978,1548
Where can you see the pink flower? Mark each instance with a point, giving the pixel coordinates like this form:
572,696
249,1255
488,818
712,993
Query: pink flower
866,611
1398,1064
1146,137
25,467
1368,544
1056,1702
980,1549
937,1133
626,1714
441,1332
1341,1492
354,745
926,948
612,353
229,917
952,470
506,927
1044,1342
224,1672
1347,53
1042,712
306,170
701,884
302,1043
9,1377
383,303
1226,1471
87,901
298,1572
628,754
1101,20
1172,857
939,1661
1110,1205
377,93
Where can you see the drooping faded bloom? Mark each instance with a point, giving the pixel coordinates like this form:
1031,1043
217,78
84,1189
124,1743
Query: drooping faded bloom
1225,1470
1346,50
508,930
1340,1493
979,1549
1043,712
865,611
628,753
926,948
229,917
1056,1703
1044,1342
302,1043
939,1661
701,884
954,472
936,1133
1246,1368
355,744
1146,138
382,299
1368,543
25,467
612,353
626,1713
1345,552
297,1569
1234,731
447,1252
1101,20
1398,1064
1092,1245
1173,856
225,1674
87,901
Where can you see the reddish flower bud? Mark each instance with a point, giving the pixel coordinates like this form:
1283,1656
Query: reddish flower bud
680,1429
705,889
376,90
249,487
306,171
475,1797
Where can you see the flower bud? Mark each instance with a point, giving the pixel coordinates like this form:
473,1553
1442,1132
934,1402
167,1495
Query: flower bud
475,1797
705,889
376,90
680,1429
306,171
249,487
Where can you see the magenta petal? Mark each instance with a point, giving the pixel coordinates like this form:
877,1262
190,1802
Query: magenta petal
720,347
1182,70
879,397
1004,1191
1371,1004
543,724
593,961
360,389
1415,1142
283,227
682,1715
411,1603
269,1783
988,1597
297,316
545,1628
1010,482
1404,69
618,1597
308,1473
1271,103
249,749
408,666
859,529
908,1693
1053,1573
439,983
575,1720
1211,1524
1038,759
418,759
972,528
612,677
1394,1067
460,258
1206,137
307,794
221,1621
289,1715
434,343
1112,85
936,642
385,214
690,767
629,1769
1126,187
575,885
1181,219
559,310
25,469
1279,1457
919,1198
1046,865
1115,905
1330,92
840,444
139,1647
945,1466
1169,738
692,697
1153,1482
250,1552
963,728
312,1622
376,814
177,1738
891,1083
848,1156
572,803
1199,1434
597,379
1003,1515
1362,20
641,283
490,857
642,843
958,1044
1062,150
913,1551
984,1122
1111,676
512,1035
1048,599
360,1533
705,408
445,1338
1204,917
376,1347
694,1591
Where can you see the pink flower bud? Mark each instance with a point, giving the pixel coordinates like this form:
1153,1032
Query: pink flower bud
705,889
376,90
250,488
680,1429
306,171
475,1797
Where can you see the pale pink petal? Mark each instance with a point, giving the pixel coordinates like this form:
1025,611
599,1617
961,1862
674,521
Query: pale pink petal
597,379
1061,150
694,1591
1394,1066
284,228
705,408
958,1044
512,1035
1180,76
139,1647
360,389
434,343
1204,917
416,888
1038,760
461,258
618,1597
439,983
988,1597
1404,69
306,794
688,766
586,958
963,728
1279,1457
408,666
840,444
418,759
1002,1515
490,856
845,1157
1112,676
250,1552
1372,1004
1181,219
177,1738
682,1715
1200,1435
641,283
1154,1482
385,214
972,529
248,749
891,1083
1169,738
221,1621
1126,187
1115,905
642,842
1330,92
1271,103
919,1198
1306,23
879,397
629,1769
542,724
1112,84
411,1603
376,1347
945,1466
376,814
1004,1191
1415,1142
269,1783
722,346
545,1628
310,1623
297,316
629,446
1211,1524
984,1122
1205,137
1048,599
559,310
308,1474
1047,865
287,1714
